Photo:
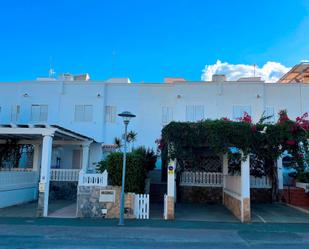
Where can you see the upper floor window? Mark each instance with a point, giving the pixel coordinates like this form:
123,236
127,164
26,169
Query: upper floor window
110,114
239,111
194,113
15,113
83,113
167,114
39,113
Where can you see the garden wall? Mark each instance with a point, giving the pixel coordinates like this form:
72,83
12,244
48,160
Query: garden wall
89,204
193,194
240,208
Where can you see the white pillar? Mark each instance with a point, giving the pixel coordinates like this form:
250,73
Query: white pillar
171,178
245,178
225,168
36,157
245,190
225,171
45,170
85,156
279,173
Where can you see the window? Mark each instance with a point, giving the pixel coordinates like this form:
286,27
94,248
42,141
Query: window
238,111
83,113
110,114
167,114
39,113
15,113
269,111
194,113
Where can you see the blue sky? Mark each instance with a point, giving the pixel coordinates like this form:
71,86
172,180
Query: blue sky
147,40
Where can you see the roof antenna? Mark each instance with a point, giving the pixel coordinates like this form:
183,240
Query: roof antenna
51,71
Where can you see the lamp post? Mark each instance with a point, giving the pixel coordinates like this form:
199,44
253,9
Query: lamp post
126,119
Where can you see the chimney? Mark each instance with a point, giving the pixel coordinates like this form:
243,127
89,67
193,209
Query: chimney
218,77
170,80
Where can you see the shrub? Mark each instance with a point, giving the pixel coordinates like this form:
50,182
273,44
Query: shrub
303,177
149,156
135,170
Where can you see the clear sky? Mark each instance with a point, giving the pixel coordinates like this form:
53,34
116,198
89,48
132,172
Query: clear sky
147,40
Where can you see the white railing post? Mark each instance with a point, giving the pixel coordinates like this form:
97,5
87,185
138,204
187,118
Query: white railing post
93,179
64,175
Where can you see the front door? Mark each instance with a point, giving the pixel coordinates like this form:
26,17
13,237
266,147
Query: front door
76,160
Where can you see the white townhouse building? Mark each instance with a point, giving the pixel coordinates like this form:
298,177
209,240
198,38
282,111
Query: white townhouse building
82,113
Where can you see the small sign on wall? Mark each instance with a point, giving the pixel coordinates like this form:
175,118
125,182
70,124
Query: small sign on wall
171,168
42,187
107,196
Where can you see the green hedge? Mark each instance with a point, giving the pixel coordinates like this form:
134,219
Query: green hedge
136,171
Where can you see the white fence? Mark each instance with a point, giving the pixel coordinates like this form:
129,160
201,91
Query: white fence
260,182
215,179
10,180
189,178
141,206
93,179
64,175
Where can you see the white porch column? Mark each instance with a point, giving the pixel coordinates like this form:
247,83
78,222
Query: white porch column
45,174
245,190
85,156
36,157
279,173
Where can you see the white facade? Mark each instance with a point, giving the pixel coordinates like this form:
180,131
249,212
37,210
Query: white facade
91,107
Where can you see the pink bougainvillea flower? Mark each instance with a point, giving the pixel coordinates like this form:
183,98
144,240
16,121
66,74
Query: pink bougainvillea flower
283,117
246,118
290,142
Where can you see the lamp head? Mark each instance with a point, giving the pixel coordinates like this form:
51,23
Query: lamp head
126,116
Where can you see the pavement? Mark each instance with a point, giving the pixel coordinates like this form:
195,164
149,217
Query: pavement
55,233
197,226
29,209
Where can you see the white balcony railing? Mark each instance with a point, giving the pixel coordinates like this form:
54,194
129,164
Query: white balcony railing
64,175
260,182
215,179
98,179
189,178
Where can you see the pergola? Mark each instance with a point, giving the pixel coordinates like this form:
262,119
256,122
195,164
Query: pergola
46,136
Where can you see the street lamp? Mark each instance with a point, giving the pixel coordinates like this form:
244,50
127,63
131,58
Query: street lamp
126,119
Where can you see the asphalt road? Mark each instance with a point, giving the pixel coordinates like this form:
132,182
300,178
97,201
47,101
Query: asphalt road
68,234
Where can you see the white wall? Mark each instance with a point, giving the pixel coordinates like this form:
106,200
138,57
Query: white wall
146,101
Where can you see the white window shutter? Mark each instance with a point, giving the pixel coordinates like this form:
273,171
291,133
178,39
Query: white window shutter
88,113
35,113
79,110
43,113
190,113
110,114
199,113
